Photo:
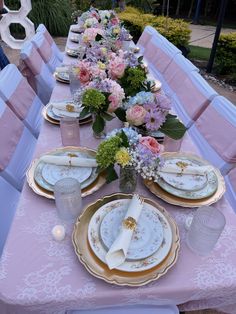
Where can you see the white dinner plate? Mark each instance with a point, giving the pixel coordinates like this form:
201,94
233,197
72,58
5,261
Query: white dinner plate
146,239
130,266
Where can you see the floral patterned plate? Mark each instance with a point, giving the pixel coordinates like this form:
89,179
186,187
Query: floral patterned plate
40,180
64,76
129,266
206,191
147,237
185,182
75,38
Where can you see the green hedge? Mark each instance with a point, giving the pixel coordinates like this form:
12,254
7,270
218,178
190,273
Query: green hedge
175,30
226,54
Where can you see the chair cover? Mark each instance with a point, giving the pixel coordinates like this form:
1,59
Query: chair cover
34,68
138,309
21,98
42,29
45,50
146,36
230,181
17,146
9,200
214,133
191,97
3,59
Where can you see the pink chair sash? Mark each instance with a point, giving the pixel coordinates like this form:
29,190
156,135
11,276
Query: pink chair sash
162,61
144,39
232,178
46,51
34,62
191,98
27,73
175,75
151,51
11,129
219,133
22,99
48,37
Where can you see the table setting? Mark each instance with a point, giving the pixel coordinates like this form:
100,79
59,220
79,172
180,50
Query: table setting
105,206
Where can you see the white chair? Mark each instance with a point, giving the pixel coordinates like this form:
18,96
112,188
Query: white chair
214,133
34,68
146,36
192,94
230,181
46,52
138,309
9,200
17,147
21,98
42,29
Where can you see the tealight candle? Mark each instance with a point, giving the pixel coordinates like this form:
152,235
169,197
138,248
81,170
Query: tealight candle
58,232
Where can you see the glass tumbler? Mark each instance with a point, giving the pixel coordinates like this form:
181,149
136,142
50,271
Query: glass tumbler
75,84
68,199
206,228
70,131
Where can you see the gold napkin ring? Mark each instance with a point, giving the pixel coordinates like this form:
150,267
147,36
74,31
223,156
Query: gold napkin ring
129,223
70,108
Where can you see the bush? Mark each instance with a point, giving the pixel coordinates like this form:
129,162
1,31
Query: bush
175,30
226,54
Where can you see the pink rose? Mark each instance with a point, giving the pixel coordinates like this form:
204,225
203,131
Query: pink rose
115,21
135,115
84,75
114,103
116,70
151,144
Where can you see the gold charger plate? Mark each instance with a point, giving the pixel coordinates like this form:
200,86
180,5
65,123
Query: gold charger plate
60,79
100,270
93,187
183,202
56,122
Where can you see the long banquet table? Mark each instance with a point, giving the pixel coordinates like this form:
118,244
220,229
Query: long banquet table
40,275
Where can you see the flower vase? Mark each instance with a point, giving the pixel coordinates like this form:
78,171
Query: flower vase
128,179
102,134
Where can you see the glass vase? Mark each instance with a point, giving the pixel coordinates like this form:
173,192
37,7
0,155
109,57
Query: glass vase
128,179
102,134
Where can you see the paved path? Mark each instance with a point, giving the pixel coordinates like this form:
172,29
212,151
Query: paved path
203,35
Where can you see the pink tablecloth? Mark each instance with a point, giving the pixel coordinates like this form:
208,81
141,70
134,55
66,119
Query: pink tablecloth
39,275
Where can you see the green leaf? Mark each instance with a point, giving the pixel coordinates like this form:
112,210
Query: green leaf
98,125
84,112
111,174
121,114
173,128
125,141
98,37
107,116
140,59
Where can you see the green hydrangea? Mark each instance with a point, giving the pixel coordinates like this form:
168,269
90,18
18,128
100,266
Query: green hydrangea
93,98
107,151
136,77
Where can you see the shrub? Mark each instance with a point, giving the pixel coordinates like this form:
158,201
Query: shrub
175,30
226,54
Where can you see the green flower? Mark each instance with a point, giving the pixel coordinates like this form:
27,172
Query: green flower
136,77
106,154
93,98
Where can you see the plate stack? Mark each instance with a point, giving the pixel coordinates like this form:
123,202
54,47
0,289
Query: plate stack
62,75
42,176
187,190
153,249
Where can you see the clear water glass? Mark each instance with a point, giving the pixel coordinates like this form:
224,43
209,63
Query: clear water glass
68,199
75,84
172,145
70,131
205,230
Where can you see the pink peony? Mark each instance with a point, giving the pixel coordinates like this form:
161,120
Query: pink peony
84,75
115,21
151,144
116,68
114,103
135,115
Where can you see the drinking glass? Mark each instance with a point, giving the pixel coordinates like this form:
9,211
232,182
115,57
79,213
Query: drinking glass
68,199
74,80
172,145
70,131
206,228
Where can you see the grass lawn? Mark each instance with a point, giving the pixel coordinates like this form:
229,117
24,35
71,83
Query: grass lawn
199,53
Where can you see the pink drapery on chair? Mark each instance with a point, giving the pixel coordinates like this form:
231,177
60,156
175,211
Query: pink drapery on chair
21,98
38,74
230,181
42,29
17,147
46,52
146,36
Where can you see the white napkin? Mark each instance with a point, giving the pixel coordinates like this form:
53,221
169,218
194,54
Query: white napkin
174,168
64,106
69,161
118,251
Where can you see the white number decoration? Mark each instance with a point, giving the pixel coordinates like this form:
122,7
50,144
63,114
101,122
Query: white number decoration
18,17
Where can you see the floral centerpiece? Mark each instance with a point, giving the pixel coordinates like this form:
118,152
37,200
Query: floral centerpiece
126,148
102,98
150,112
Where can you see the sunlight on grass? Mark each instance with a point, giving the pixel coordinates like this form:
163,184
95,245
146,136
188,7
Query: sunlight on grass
199,53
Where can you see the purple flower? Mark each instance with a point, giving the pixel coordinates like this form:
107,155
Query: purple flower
146,157
150,107
154,120
163,102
